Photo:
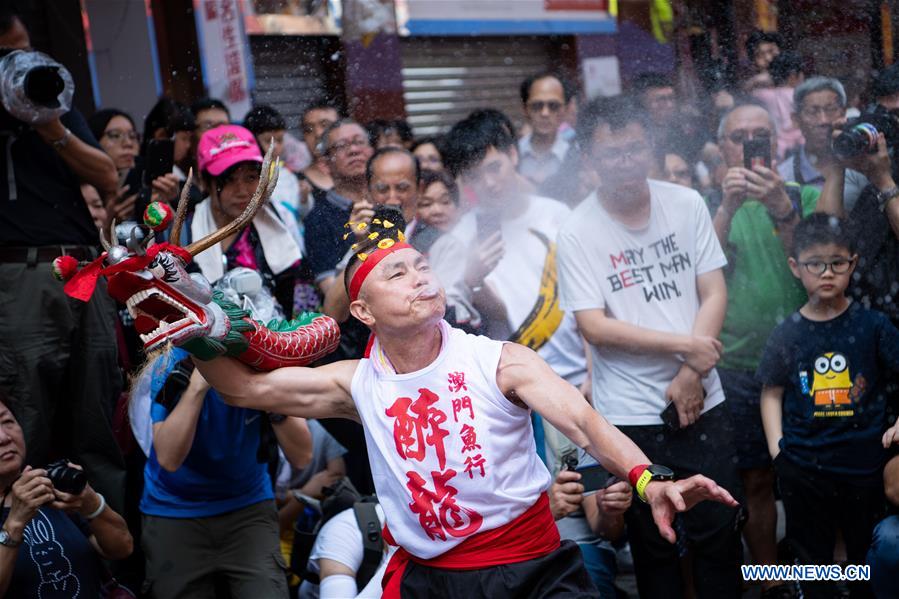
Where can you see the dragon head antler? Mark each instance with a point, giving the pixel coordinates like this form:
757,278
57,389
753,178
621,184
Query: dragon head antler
166,302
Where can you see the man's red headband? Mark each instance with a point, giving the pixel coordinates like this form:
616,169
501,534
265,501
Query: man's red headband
368,265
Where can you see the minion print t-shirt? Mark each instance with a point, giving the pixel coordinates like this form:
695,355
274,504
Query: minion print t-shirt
833,373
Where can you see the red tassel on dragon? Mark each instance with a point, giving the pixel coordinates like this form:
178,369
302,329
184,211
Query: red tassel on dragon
170,305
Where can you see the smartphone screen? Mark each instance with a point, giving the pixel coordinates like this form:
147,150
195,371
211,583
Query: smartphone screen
757,152
594,478
669,417
160,159
487,225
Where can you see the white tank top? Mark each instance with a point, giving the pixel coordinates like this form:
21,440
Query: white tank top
449,454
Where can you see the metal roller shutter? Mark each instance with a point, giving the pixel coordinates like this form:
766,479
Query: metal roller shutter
446,78
290,71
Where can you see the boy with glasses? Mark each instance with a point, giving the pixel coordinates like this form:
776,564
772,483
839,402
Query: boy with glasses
823,404
754,215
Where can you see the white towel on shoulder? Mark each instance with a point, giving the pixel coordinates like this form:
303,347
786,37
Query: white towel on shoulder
279,244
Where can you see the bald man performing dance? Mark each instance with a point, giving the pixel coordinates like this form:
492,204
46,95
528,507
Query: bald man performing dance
447,423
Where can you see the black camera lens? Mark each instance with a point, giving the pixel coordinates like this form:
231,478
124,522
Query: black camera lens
66,479
855,141
43,85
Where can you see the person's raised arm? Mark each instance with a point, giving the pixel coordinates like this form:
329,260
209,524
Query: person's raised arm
831,199
30,491
700,352
734,192
322,392
878,169
523,375
109,533
88,163
174,436
336,303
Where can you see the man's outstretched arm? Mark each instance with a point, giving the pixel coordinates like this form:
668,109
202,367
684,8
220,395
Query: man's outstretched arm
322,392
523,375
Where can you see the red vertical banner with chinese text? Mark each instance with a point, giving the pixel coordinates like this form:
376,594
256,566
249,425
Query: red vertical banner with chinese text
225,53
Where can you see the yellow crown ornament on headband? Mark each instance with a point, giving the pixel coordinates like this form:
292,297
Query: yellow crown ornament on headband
383,243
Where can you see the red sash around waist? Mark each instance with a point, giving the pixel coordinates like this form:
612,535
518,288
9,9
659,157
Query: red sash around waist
531,535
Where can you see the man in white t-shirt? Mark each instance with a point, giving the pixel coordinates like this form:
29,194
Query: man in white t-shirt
641,269
498,264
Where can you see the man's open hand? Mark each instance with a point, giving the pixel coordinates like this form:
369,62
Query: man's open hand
668,498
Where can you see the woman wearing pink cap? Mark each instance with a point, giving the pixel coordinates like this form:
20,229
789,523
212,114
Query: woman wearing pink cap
208,504
229,161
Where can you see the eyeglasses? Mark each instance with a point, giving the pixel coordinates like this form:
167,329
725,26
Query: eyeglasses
402,188
839,266
343,146
118,136
619,154
831,111
537,106
741,135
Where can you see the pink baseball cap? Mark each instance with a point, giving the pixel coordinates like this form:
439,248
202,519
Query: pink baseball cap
224,146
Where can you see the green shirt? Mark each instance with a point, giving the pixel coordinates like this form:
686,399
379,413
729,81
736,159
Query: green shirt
761,290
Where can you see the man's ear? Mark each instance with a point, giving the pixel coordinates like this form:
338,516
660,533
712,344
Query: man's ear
794,266
360,310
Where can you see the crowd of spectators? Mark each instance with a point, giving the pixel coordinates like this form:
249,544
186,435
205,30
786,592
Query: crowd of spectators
718,282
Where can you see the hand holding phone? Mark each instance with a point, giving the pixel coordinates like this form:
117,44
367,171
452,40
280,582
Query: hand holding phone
594,478
757,152
160,159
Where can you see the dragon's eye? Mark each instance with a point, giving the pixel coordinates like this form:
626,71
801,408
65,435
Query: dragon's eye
163,267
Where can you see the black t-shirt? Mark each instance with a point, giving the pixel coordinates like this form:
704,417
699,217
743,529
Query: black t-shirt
324,230
833,374
875,282
48,208
56,560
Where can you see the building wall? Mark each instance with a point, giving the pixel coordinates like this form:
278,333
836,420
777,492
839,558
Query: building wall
124,55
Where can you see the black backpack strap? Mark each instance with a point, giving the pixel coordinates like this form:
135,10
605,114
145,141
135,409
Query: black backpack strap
372,542
794,192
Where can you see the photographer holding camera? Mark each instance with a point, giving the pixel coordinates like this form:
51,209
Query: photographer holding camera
58,356
865,144
51,541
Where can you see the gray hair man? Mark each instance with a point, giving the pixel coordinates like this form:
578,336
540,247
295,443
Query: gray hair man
820,104
754,216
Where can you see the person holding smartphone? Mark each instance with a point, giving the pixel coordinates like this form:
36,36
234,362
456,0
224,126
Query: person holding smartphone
139,182
754,217
588,504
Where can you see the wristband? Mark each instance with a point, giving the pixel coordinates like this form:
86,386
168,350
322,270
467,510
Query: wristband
634,475
99,509
886,196
645,478
60,144
276,418
640,476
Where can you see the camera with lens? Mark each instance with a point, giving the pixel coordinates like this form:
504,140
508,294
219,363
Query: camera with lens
65,478
34,89
859,135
